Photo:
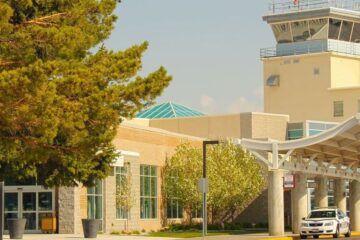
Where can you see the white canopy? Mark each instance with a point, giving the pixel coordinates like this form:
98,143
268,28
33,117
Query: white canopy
334,152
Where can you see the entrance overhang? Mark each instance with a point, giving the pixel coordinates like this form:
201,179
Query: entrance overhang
334,153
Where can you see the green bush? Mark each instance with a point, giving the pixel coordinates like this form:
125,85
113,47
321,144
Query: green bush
214,227
135,232
262,225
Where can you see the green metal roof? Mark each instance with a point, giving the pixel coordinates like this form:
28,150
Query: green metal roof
168,110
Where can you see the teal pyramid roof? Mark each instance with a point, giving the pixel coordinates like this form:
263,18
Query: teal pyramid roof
168,110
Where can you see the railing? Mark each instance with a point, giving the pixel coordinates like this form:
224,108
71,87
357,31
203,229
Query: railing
319,47
285,6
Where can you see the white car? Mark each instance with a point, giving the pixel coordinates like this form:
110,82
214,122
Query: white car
325,221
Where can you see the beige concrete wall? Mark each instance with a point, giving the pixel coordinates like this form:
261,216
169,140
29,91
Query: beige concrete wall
242,125
345,71
306,96
207,127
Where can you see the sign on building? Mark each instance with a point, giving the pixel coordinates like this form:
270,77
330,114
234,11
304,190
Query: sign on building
311,185
289,181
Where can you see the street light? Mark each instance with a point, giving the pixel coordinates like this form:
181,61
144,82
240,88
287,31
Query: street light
205,183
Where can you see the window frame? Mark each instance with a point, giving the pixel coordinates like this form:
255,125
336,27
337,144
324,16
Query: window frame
148,195
94,195
337,113
121,174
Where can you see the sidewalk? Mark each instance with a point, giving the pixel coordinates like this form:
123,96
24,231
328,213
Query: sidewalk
81,237
122,237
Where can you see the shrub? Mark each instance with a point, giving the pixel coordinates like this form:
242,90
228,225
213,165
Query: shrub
262,225
247,225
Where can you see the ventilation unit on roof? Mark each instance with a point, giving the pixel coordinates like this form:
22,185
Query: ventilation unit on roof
273,81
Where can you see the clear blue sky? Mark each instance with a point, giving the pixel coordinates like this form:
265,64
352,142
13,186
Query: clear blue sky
211,48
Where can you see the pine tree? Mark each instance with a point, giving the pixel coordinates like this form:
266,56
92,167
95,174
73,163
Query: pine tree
60,103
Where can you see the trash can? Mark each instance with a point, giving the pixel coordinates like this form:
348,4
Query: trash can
48,223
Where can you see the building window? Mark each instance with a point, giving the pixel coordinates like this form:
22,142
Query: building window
95,202
174,209
338,109
123,189
196,212
316,71
148,192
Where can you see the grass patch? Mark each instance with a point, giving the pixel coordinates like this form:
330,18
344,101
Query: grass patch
193,234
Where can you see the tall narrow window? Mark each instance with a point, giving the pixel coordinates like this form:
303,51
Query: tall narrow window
174,209
300,31
346,29
338,109
148,192
123,192
334,29
95,202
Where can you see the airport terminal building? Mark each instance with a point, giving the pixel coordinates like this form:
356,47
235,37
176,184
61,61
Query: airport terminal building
310,128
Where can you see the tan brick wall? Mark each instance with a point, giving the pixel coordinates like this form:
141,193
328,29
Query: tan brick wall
69,210
153,148
269,126
83,202
110,222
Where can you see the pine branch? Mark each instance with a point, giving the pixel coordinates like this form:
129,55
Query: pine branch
33,142
6,63
43,20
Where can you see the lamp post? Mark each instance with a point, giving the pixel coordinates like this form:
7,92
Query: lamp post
205,143
1,209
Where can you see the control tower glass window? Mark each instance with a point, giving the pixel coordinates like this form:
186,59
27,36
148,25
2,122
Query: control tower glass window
300,31
319,28
346,29
334,28
282,32
355,37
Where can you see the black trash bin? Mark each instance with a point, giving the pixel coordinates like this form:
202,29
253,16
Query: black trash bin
90,227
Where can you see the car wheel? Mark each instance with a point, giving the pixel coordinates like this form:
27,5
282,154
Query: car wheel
348,234
316,236
302,236
337,234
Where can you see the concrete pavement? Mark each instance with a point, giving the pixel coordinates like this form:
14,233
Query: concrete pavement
81,237
121,237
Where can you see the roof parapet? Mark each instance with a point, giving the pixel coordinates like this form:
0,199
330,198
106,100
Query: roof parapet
288,6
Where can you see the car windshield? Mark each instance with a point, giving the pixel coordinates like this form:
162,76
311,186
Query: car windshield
322,214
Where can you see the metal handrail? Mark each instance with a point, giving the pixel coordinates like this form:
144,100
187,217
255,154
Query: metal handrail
344,48
285,6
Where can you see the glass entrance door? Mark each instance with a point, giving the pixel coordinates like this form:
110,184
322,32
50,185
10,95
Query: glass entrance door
30,204
29,209
11,206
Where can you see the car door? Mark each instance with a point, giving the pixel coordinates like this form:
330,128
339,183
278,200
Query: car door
342,221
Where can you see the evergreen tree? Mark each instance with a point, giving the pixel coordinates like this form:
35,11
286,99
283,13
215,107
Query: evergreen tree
60,104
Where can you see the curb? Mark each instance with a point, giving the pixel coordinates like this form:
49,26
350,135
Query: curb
295,238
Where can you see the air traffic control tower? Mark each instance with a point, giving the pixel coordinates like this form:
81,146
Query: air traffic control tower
313,73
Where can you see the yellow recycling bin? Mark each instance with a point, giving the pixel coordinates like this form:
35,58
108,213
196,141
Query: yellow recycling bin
48,223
